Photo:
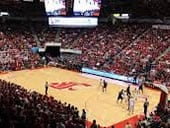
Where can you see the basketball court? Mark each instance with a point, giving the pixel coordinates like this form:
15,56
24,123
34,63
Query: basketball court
83,92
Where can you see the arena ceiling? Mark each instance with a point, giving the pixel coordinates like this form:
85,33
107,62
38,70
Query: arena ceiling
150,8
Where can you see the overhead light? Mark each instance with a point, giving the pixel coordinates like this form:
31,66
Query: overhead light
4,14
121,16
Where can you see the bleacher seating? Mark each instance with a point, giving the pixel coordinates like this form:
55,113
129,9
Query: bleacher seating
162,69
151,45
16,42
122,49
21,108
157,119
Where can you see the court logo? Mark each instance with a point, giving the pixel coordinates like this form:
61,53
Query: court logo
68,85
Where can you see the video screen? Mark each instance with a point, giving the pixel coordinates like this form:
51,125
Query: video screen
86,7
73,21
55,7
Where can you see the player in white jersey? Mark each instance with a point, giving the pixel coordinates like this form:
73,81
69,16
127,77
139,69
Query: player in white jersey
135,93
100,84
131,105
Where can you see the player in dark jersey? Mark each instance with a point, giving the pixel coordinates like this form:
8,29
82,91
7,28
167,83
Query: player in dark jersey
141,88
141,84
104,86
120,96
128,91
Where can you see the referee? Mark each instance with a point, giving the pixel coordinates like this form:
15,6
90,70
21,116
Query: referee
46,88
145,107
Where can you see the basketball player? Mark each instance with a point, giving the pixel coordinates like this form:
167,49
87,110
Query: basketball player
135,78
101,83
128,101
128,91
104,86
46,88
125,96
135,93
120,96
141,84
141,88
131,105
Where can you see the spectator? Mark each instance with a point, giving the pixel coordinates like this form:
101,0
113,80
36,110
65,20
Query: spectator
20,108
128,125
94,125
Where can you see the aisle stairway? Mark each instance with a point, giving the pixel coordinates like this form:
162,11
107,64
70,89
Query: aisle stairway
35,36
162,54
78,37
133,42
57,35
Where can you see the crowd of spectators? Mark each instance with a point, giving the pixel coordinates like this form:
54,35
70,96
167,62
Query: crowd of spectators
99,45
147,48
118,49
21,108
66,61
44,33
16,42
157,119
67,37
125,49
161,70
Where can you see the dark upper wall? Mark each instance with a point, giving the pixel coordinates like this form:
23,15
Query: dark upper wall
139,8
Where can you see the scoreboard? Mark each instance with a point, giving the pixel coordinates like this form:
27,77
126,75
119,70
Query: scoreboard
55,7
73,21
84,13
87,7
